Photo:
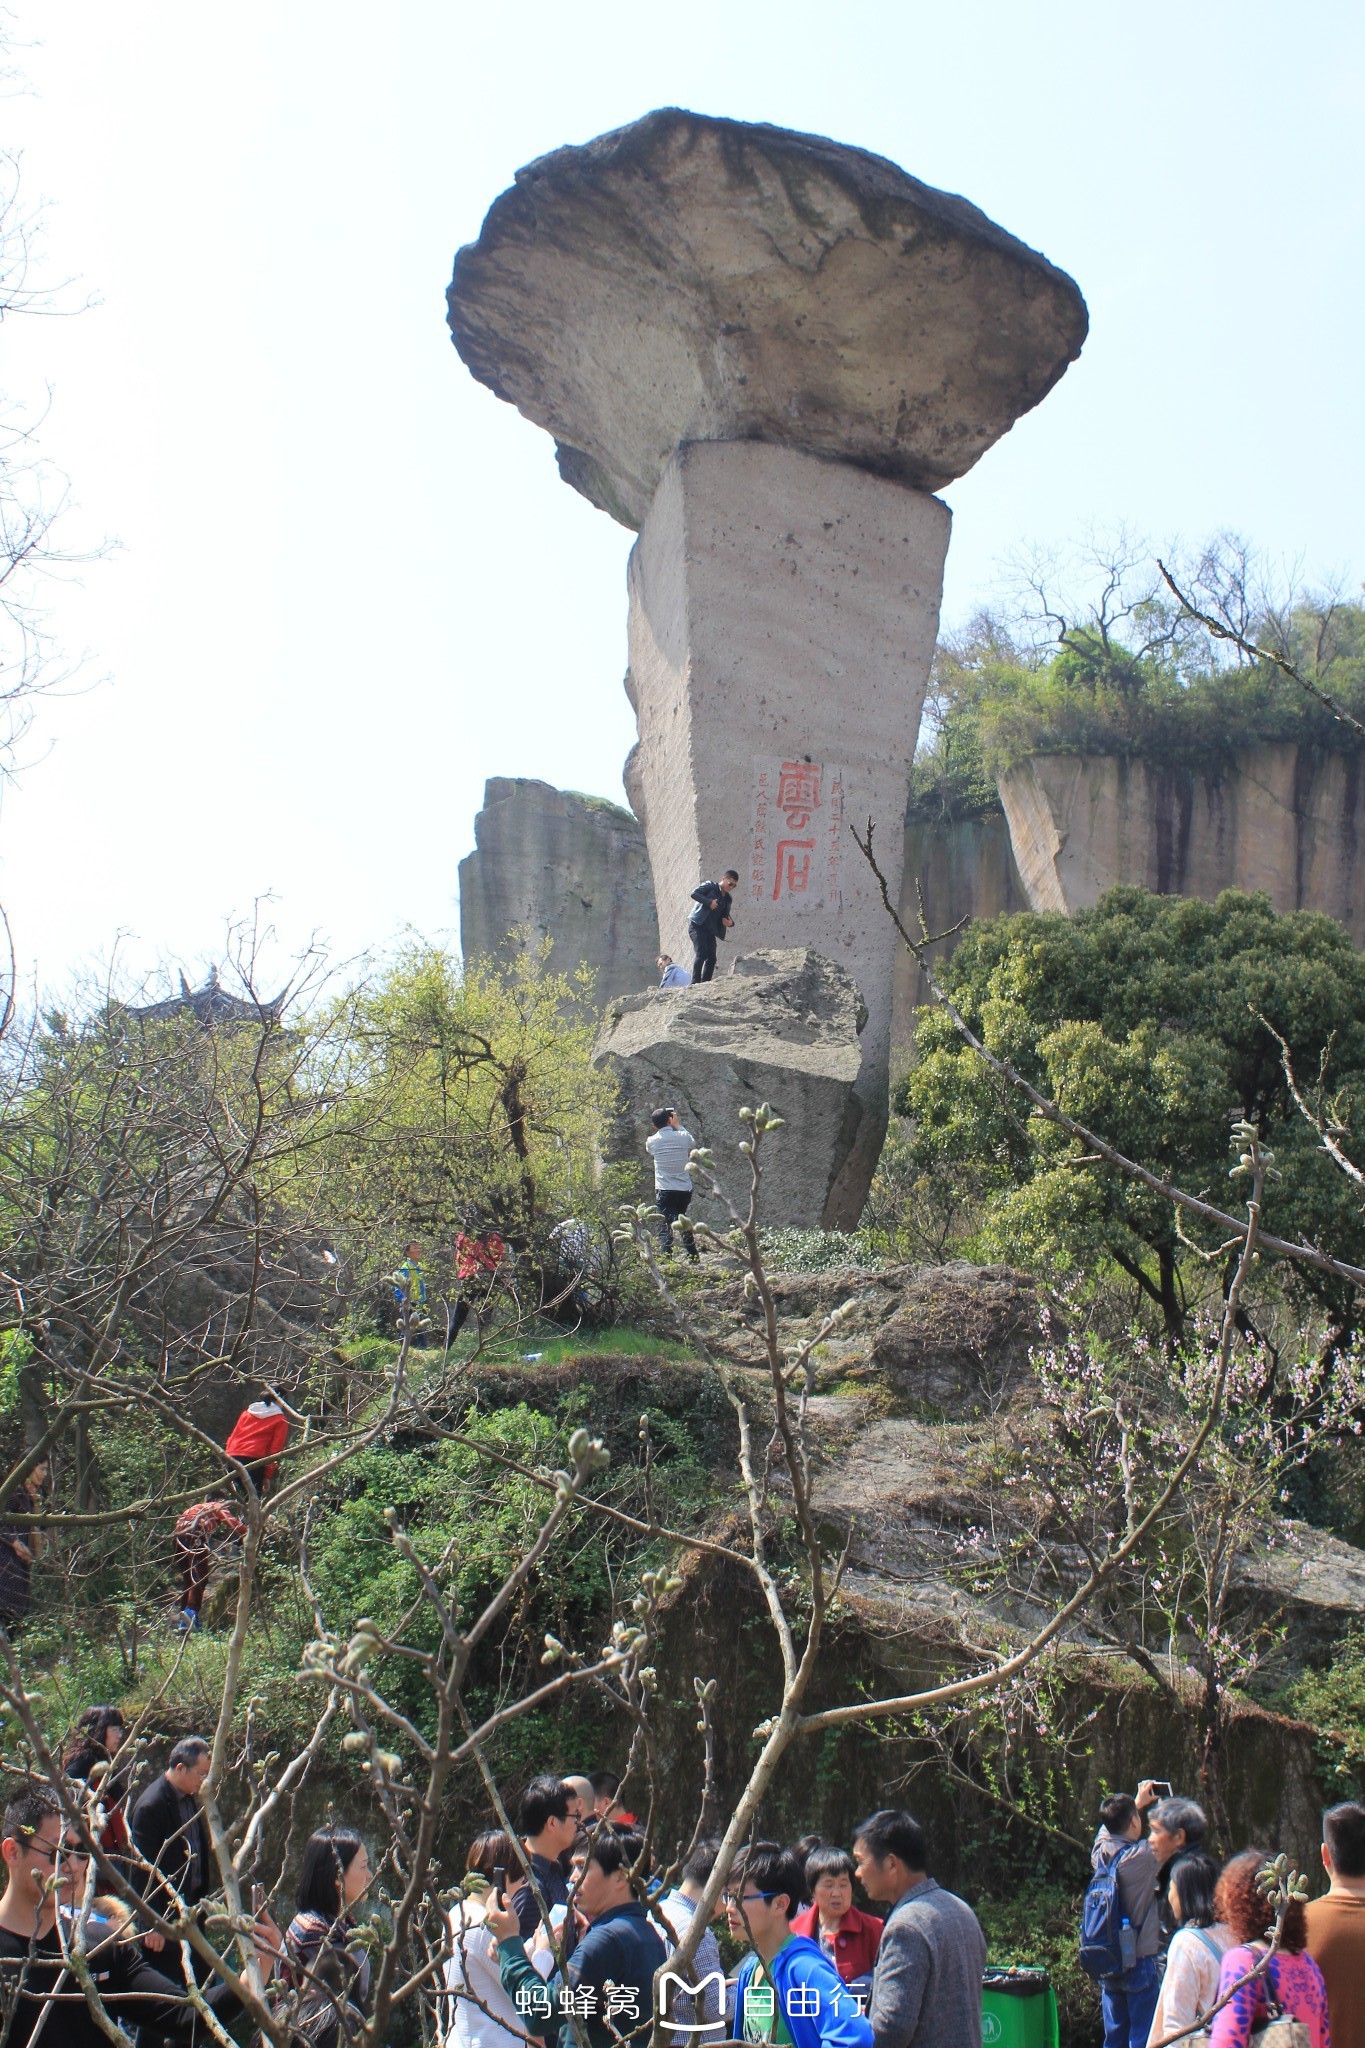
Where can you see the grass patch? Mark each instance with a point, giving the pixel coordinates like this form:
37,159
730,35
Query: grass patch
622,1343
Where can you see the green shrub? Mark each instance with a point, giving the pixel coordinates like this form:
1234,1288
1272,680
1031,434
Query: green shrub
1333,1703
1038,1924
1172,697
816,1251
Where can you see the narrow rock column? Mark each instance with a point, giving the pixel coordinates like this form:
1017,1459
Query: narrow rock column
783,612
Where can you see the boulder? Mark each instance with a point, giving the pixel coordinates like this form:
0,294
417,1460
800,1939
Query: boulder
943,1341
782,1027
552,863
693,279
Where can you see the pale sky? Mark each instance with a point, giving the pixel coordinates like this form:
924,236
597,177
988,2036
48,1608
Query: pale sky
346,583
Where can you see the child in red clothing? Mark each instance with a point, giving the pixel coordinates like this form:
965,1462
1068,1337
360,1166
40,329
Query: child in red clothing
200,1535
477,1258
848,1936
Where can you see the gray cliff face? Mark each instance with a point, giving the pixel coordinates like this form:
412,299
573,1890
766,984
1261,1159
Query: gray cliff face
578,869
954,868
1284,819
568,867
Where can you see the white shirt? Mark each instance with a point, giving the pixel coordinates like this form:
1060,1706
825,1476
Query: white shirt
473,1968
670,1150
1190,1985
705,2013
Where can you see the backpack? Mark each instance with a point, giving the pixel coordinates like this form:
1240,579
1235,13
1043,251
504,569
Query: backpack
1104,1950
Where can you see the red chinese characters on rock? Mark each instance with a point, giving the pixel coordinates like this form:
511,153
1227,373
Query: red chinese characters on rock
798,792
793,867
798,816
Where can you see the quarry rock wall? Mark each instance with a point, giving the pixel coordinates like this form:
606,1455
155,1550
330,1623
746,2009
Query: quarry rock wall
572,868
1283,818
956,868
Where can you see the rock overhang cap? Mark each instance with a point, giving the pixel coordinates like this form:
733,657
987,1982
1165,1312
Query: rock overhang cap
689,278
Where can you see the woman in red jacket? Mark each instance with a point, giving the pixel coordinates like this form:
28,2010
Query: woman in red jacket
259,1434
848,1936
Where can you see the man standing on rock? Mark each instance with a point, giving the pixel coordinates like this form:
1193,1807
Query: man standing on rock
710,921
670,1148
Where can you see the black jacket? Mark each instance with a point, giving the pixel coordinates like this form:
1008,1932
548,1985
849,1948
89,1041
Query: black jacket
705,919
127,1983
160,1834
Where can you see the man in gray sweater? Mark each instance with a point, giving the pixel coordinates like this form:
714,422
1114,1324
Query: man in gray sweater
926,1986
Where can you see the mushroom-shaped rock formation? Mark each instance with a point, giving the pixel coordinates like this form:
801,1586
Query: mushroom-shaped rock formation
692,279
762,349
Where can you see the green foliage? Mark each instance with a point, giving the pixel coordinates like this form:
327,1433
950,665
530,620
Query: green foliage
180,1680
1143,1019
949,777
816,1251
16,1352
921,1206
621,1342
120,1134
1332,1701
1146,685
467,1520
459,1094
1037,1924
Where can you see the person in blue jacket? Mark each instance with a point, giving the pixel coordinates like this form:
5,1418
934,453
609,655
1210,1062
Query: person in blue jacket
788,1991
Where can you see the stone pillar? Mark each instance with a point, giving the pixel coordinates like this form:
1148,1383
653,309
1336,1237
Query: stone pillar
783,613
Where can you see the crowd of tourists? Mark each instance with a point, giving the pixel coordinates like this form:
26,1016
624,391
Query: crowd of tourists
565,1933
1173,1937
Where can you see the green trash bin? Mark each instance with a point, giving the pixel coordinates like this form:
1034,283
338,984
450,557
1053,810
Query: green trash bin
1018,2009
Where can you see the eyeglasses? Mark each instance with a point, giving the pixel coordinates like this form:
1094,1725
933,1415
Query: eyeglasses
50,1851
734,1899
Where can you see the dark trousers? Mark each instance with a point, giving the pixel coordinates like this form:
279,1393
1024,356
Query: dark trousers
262,1471
196,1563
1129,2004
672,1204
703,954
